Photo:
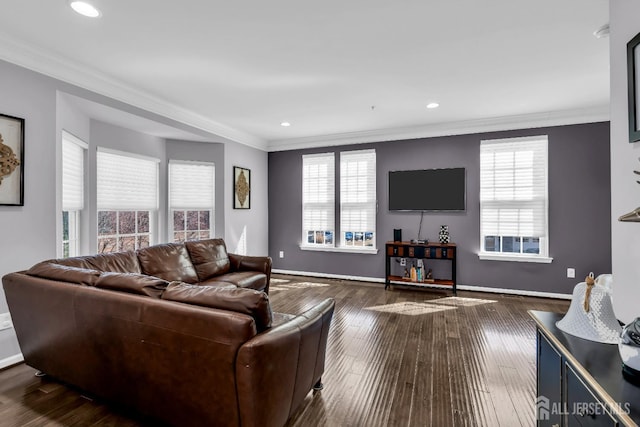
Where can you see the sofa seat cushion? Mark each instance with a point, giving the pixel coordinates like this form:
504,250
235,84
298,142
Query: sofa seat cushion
245,279
169,261
53,271
246,301
133,283
119,262
209,257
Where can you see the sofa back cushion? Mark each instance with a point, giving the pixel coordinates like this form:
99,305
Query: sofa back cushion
78,261
169,261
209,257
132,283
52,270
246,301
119,262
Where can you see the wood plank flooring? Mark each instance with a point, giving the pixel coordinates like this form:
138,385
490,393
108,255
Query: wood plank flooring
401,357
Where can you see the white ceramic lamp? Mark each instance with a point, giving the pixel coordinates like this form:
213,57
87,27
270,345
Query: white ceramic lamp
598,323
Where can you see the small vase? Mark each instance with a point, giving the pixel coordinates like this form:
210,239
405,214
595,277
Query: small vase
444,234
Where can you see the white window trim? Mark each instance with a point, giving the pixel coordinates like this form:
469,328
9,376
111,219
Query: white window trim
342,242
72,138
77,213
504,256
171,209
491,256
332,226
345,249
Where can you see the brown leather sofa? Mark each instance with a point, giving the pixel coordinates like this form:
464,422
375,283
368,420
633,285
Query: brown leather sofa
196,343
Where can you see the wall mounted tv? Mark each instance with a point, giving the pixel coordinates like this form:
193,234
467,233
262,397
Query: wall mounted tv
428,190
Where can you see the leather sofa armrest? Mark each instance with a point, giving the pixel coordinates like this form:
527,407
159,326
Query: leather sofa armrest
276,369
261,264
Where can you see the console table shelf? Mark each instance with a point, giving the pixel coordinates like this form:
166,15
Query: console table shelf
430,251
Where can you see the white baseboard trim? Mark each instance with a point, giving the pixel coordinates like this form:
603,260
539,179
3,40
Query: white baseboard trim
11,360
459,287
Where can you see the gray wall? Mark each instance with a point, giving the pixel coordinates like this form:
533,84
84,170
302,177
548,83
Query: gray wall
579,210
28,232
246,230
625,192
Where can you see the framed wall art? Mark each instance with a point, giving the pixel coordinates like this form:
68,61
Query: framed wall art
11,161
633,87
241,188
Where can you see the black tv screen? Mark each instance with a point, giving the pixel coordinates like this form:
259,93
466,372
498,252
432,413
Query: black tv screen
427,190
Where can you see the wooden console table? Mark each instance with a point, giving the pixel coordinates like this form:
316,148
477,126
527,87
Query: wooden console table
437,251
580,382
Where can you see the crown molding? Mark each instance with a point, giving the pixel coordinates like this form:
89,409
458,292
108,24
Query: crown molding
88,78
524,121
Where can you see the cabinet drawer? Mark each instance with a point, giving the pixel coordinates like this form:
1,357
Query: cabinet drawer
583,407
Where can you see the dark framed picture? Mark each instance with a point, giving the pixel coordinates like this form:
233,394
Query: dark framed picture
11,161
633,87
241,188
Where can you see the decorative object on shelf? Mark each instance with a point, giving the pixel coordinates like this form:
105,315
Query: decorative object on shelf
11,161
629,348
241,188
633,90
590,315
444,234
397,234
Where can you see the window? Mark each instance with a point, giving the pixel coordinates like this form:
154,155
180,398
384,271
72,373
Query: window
318,200
191,200
513,198
127,193
358,204
358,198
73,154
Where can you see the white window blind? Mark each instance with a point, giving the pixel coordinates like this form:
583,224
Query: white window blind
318,193
126,182
191,185
358,194
72,173
513,187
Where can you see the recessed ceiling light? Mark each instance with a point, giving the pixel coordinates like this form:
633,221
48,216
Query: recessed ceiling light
285,124
433,105
84,8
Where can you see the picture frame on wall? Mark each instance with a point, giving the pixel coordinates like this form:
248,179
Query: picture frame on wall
633,87
11,161
241,188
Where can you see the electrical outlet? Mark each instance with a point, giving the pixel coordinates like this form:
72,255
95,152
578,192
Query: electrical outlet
5,321
403,261
281,254
571,273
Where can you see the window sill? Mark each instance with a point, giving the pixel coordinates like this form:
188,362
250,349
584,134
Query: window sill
516,258
368,251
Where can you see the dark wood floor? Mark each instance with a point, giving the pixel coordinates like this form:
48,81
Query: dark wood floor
402,357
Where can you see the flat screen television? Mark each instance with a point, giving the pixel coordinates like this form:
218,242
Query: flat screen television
428,190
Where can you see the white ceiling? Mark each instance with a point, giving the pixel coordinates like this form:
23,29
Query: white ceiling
339,71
